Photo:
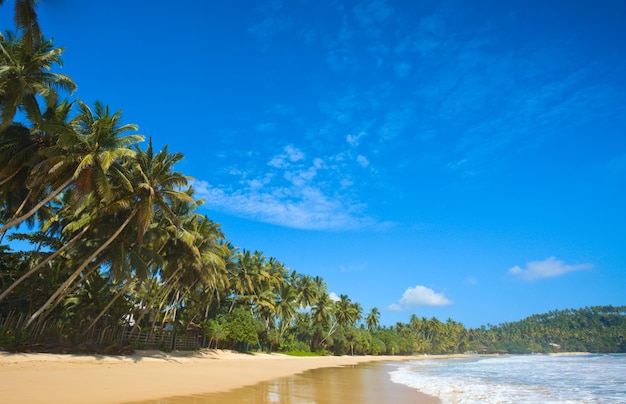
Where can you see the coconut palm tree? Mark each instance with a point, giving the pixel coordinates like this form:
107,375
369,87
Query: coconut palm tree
91,149
307,291
372,319
25,74
21,149
83,157
247,276
346,312
26,19
155,188
149,184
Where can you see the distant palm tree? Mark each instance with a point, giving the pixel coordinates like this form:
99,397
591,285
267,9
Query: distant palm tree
286,306
347,312
372,319
307,291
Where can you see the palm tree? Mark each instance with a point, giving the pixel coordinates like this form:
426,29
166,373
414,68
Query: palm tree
346,312
286,306
83,157
322,316
155,188
150,184
21,149
307,291
92,149
26,19
372,319
25,73
249,273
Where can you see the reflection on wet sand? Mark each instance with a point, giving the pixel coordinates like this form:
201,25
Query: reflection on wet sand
367,383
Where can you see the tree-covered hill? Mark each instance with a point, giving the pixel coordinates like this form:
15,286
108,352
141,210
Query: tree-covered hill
590,329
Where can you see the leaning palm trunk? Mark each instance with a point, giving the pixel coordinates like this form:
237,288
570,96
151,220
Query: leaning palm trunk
68,292
34,210
331,331
108,306
166,290
21,207
41,264
117,296
63,288
9,177
177,300
165,287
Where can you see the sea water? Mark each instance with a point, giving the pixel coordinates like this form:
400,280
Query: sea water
519,379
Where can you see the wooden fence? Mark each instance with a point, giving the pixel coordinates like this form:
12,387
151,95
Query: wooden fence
13,334
161,340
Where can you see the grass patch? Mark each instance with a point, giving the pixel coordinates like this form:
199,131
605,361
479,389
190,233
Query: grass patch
304,353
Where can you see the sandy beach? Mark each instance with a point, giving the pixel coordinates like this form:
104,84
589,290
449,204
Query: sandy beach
52,378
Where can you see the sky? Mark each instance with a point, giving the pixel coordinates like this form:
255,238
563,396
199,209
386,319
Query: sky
455,159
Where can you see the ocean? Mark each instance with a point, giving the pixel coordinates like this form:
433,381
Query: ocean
518,379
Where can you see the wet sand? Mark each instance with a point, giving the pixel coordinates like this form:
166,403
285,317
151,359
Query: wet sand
367,383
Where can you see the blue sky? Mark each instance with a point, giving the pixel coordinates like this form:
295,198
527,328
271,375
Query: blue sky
444,158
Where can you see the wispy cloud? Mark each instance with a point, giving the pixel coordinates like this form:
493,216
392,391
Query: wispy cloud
371,14
548,268
470,281
292,190
419,296
362,160
272,22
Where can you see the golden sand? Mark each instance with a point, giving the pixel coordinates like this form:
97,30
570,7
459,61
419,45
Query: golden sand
52,378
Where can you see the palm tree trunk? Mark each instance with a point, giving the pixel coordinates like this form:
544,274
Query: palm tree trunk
34,210
41,264
149,305
330,332
80,269
108,306
19,209
10,177
117,296
68,292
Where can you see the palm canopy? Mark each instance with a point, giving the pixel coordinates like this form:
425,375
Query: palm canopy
26,19
84,155
26,72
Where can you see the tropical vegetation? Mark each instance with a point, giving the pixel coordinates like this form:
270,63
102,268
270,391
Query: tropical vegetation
110,237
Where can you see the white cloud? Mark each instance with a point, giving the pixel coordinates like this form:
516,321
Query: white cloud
296,204
548,268
334,297
290,155
293,190
302,208
419,296
354,140
363,161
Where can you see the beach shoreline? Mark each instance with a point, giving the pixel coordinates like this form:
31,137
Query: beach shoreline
150,375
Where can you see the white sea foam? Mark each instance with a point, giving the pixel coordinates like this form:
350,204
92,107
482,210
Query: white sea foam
519,379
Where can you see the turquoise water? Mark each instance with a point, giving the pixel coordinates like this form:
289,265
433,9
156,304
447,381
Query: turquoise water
519,379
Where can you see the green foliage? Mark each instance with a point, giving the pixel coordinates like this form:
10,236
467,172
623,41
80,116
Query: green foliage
240,329
591,329
290,344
